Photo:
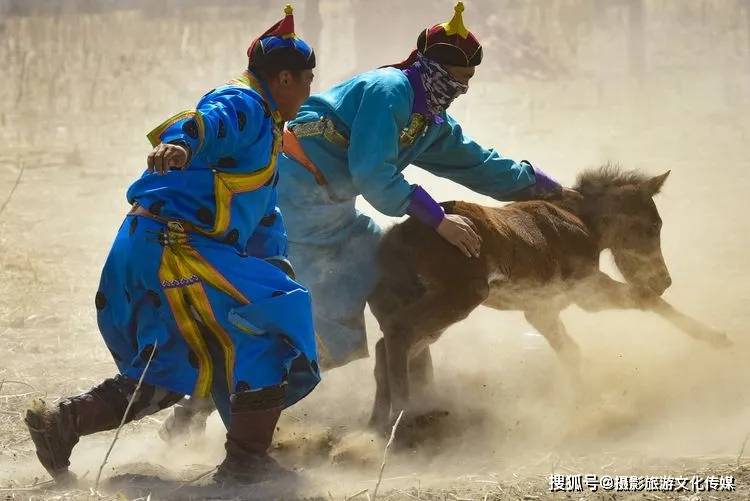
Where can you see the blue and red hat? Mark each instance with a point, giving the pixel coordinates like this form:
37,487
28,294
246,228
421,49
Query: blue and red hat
280,47
447,43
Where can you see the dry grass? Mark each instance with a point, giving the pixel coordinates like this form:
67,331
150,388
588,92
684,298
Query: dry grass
79,93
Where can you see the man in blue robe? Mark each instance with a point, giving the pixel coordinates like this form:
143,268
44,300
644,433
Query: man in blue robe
195,297
355,139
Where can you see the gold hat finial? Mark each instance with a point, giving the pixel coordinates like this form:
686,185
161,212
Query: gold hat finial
456,25
288,10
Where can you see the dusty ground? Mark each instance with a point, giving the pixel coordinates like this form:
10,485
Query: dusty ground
80,91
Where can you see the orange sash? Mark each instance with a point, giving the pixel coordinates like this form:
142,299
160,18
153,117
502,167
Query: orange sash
293,149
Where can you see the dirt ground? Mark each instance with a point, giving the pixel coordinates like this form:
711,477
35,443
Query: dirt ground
570,84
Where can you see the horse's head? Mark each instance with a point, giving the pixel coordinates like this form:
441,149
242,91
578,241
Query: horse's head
620,207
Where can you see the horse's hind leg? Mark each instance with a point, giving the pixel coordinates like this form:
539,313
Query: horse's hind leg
393,292
397,363
432,313
549,325
381,409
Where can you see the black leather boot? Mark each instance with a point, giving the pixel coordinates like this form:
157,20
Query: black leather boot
56,430
254,415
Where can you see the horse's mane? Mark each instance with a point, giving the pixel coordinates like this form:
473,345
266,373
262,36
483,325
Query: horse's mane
607,177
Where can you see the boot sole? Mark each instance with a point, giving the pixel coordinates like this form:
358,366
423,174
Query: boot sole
253,475
37,423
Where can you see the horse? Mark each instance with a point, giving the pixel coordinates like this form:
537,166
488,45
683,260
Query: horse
536,256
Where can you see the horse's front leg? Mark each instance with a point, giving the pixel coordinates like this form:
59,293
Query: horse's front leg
547,322
397,363
601,292
690,326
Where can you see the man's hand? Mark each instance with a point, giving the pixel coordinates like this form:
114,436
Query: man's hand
165,156
461,232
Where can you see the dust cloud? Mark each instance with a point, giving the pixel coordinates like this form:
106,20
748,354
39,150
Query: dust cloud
570,84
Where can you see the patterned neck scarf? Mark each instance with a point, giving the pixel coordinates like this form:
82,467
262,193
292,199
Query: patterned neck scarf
440,86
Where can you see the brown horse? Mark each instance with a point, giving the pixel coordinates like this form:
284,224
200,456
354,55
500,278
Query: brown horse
537,257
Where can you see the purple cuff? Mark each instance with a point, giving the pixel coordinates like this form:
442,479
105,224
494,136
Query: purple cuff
541,189
423,207
544,183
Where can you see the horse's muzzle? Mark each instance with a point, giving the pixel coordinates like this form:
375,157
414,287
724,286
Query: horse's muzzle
660,283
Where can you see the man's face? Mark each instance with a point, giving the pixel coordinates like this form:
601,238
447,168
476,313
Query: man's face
293,91
461,73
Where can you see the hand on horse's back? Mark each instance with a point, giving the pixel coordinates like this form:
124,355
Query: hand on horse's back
461,232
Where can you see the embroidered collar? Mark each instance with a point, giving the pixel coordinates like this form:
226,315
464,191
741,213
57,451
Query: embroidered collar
250,79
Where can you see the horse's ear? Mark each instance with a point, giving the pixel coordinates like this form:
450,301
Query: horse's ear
653,185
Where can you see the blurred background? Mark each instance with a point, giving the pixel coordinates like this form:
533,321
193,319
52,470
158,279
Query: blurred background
568,84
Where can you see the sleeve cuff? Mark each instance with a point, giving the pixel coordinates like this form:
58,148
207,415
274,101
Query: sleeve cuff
186,126
543,187
544,182
423,207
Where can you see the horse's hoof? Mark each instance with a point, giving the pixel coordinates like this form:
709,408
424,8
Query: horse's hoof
66,480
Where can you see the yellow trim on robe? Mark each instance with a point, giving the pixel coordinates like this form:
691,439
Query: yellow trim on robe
203,269
154,136
226,184
187,262
168,271
247,79
182,263
203,306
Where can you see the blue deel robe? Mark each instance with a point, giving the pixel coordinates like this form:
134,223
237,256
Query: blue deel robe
193,282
